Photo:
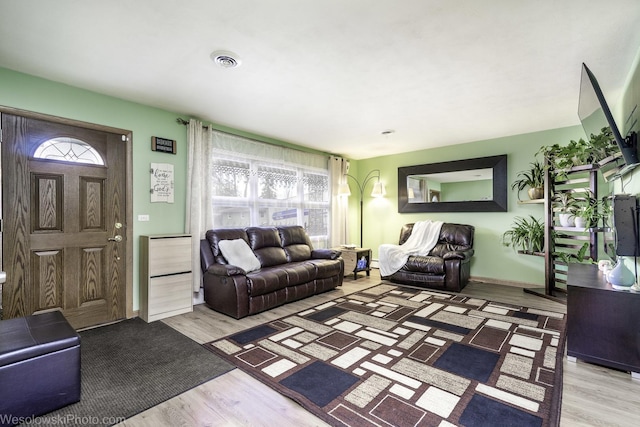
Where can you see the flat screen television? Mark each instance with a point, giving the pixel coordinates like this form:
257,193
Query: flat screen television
594,114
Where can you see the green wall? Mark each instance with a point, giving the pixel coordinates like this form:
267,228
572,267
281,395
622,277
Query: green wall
627,113
43,96
34,94
382,222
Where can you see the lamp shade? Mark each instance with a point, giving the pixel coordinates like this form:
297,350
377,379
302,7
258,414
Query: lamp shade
378,190
344,189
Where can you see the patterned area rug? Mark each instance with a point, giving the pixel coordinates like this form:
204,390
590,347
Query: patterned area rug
397,356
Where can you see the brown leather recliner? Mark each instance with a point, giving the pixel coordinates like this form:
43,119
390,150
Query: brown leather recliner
290,269
448,265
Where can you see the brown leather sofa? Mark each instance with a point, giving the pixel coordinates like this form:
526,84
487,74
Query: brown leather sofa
448,265
290,269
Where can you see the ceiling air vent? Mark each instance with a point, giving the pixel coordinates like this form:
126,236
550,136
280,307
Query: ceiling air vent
225,59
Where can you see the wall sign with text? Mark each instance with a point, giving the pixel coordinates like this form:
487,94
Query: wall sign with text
163,145
161,182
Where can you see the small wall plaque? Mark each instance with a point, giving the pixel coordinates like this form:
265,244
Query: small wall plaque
162,144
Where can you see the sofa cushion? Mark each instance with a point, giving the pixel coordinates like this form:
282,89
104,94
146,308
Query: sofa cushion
238,253
326,267
296,253
295,242
266,244
299,272
266,280
444,248
214,236
425,264
293,234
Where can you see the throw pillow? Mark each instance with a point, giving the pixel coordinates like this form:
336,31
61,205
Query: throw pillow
238,253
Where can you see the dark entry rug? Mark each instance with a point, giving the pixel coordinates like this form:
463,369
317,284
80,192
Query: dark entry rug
131,366
396,356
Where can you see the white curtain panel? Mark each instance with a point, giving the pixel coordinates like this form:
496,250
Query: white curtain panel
339,230
204,143
199,210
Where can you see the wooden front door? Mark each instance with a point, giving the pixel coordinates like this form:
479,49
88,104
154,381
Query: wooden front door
64,213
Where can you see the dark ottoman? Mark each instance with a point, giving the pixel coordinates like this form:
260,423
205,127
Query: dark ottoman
39,366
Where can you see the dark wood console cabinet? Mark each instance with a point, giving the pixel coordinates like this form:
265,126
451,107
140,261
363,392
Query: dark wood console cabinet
603,324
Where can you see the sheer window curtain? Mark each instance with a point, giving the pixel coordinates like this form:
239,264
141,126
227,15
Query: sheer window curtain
203,143
199,210
338,168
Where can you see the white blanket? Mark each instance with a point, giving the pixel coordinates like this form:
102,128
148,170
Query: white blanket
423,238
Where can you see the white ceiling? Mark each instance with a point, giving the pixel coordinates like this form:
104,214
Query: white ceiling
334,74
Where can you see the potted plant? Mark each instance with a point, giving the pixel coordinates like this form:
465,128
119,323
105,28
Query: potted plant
532,178
578,257
589,212
580,152
525,234
566,205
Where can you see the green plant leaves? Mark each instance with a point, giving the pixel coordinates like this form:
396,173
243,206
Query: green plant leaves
526,234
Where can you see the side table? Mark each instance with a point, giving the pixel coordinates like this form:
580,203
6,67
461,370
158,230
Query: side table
351,256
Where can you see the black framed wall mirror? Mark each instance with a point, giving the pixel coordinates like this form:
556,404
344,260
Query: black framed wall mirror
470,185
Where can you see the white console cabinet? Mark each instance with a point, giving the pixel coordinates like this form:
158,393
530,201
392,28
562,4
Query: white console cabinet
166,278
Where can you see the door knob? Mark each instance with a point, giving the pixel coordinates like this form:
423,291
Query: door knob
116,238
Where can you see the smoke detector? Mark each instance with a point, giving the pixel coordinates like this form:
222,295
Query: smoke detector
225,59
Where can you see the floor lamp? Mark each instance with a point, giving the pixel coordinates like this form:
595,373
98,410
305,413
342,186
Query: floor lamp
378,190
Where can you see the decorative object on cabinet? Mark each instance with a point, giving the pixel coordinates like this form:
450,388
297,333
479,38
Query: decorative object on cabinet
166,279
526,235
378,190
532,178
620,277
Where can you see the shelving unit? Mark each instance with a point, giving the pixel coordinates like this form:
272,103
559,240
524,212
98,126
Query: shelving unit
580,181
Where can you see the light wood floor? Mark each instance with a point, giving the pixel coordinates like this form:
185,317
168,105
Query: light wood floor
592,395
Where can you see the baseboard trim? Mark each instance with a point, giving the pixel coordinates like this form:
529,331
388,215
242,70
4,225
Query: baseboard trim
511,283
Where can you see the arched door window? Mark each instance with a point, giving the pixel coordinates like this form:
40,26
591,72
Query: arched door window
64,149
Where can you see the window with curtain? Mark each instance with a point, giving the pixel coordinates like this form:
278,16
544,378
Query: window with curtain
257,192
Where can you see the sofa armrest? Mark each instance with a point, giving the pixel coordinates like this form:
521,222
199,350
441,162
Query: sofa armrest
462,255
325,254
225,270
